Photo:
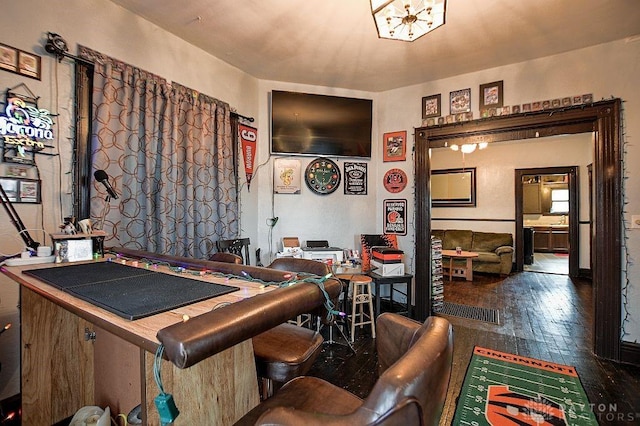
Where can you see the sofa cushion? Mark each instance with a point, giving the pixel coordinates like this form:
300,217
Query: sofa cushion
457,238
490,241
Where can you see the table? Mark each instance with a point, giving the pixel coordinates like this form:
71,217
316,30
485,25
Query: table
379,280
76,354
460,271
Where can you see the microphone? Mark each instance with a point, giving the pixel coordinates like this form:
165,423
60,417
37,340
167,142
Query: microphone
102,177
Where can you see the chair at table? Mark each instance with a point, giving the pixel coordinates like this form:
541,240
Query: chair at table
301,265
238,246
287,351
414,369
226,257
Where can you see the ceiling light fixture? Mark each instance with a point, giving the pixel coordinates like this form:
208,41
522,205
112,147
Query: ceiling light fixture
407,20
468,148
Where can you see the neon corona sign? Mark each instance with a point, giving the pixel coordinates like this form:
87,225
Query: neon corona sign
23,126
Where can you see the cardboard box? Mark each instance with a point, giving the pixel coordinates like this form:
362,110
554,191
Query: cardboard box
387,269
387,254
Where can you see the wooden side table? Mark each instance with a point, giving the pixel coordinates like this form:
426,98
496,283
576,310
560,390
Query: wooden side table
460,271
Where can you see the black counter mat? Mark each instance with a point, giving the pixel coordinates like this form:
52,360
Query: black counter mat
126,291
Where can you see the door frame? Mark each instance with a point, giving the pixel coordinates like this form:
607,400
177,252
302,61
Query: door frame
603,118
573,215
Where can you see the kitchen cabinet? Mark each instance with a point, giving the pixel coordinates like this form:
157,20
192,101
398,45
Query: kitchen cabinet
560,240
551,239
536,195
531,203
541,238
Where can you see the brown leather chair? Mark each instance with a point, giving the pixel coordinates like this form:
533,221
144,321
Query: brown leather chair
226,258
414,366
287,351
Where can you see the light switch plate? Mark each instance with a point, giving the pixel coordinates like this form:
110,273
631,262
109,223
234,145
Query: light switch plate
635,221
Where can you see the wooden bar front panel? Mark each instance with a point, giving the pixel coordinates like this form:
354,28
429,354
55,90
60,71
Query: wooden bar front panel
57,363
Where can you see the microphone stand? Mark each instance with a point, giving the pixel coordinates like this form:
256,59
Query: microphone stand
100,240
17,222
107,206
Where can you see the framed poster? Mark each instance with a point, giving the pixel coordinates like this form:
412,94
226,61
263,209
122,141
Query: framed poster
431,106
395,146
491,95
395,217
460,101
29,65
21,190
355,178
286,176
8,58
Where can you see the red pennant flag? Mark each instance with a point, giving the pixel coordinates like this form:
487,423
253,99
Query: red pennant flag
248,137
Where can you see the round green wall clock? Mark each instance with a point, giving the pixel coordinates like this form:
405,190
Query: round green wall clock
322,176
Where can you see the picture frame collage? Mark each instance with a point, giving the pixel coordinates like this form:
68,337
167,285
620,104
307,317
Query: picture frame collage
395,179
20,62
490,104
20,190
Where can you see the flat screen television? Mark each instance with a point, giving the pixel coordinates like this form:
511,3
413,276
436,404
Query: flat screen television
308,124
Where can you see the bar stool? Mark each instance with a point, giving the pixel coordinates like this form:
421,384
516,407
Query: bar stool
361,298
284,352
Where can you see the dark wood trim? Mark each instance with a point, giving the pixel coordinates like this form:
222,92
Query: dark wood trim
602,118
585,273
574,252
630,353
82,165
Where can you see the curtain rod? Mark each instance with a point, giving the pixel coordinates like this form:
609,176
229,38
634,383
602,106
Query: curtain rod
249,119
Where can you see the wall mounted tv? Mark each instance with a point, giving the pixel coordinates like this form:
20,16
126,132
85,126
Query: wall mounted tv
333,126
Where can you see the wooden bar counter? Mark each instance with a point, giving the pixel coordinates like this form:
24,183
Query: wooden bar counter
76,354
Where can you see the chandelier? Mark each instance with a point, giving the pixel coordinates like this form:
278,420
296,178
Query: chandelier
407,20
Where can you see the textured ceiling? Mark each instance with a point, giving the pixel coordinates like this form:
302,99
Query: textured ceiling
334,42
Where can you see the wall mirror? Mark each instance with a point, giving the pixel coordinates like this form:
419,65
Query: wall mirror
453,187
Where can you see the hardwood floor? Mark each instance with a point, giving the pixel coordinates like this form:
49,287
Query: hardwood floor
544,316
554,263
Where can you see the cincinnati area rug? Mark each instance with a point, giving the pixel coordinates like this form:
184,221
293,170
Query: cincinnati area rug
506,389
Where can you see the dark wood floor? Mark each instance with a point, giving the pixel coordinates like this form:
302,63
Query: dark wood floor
544,316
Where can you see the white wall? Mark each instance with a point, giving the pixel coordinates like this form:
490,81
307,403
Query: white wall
607,70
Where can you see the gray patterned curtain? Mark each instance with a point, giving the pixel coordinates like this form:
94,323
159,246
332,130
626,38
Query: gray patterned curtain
168,151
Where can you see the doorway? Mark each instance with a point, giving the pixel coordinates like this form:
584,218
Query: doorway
547,217
604,120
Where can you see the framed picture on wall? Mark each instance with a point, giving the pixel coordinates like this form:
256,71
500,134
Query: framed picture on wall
460,101
8,58
395,217
491,95
286,176
431,106
355,178
395,146
29,65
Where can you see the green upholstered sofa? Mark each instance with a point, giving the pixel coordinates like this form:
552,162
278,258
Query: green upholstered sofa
495,249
